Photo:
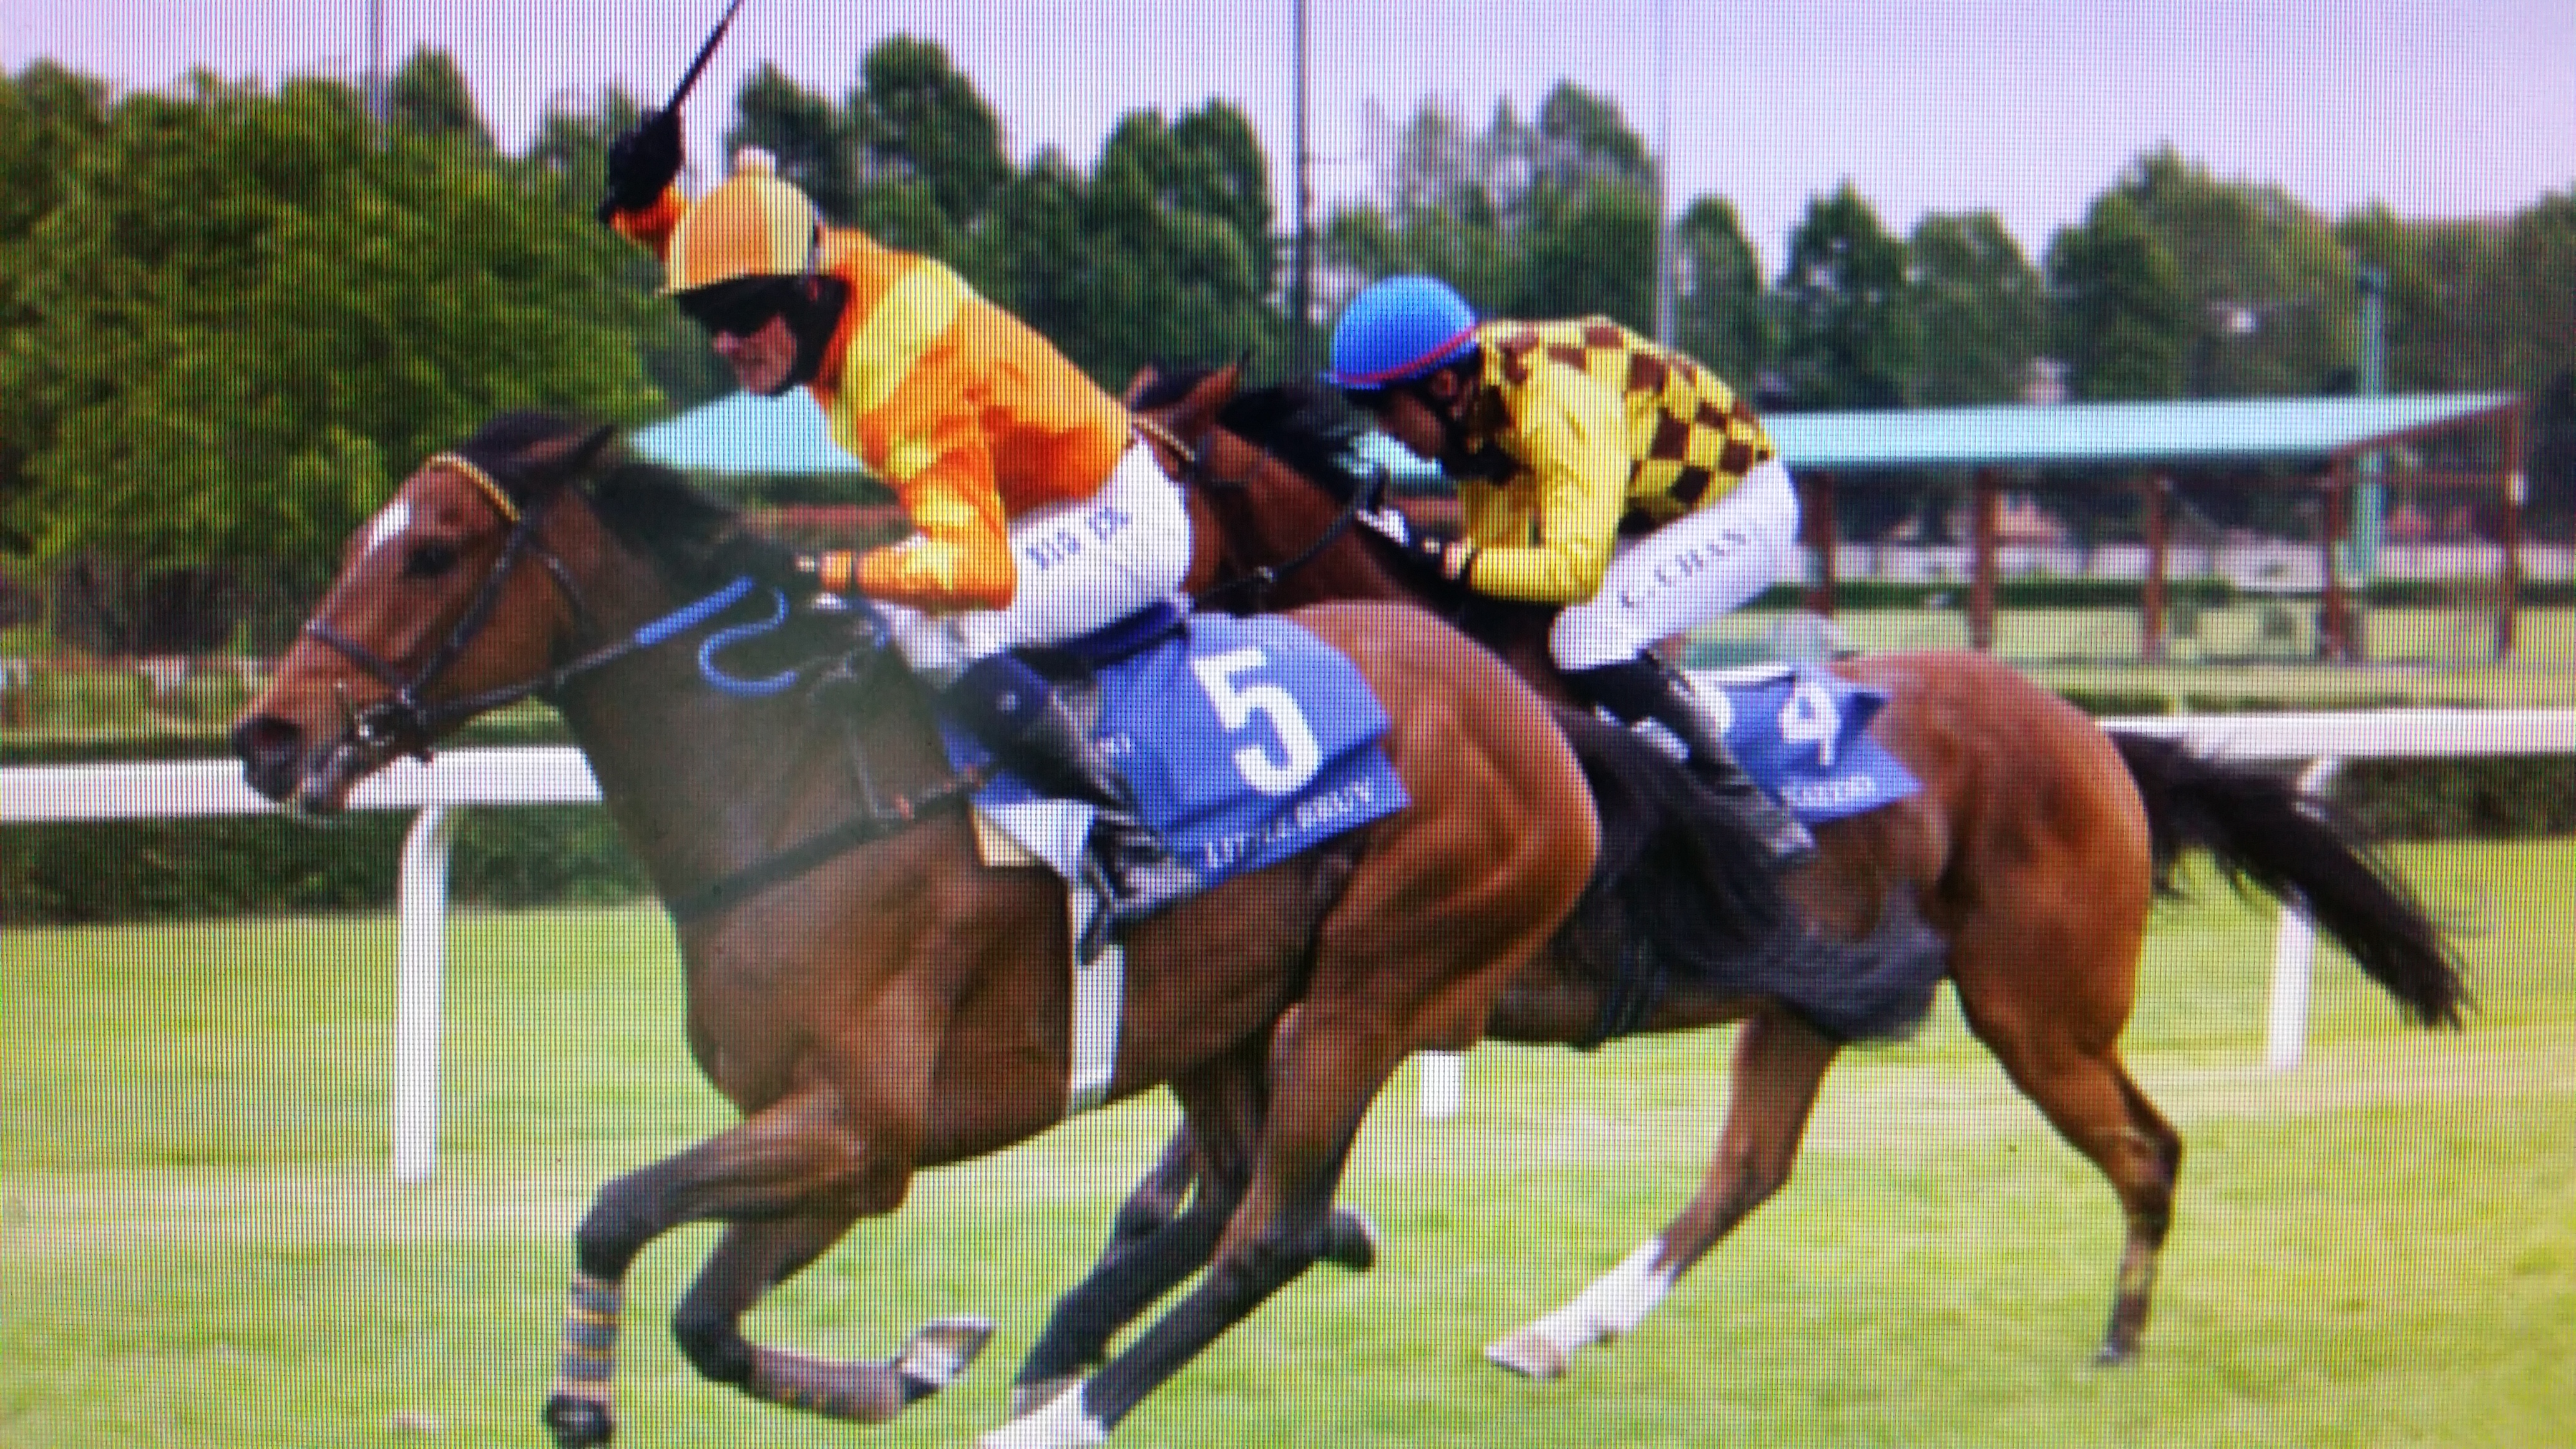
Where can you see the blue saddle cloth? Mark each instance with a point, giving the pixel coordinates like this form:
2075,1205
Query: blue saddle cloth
1804,733
1246,741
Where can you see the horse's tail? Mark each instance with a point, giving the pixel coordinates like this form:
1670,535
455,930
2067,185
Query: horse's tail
1684,893
2300,849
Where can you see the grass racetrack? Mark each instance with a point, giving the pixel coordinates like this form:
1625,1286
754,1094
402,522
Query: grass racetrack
201,1245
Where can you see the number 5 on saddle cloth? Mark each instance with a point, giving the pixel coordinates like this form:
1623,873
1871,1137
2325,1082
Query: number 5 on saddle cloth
1245,741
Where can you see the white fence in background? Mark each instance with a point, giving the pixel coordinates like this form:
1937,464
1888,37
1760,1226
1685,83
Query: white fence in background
558,775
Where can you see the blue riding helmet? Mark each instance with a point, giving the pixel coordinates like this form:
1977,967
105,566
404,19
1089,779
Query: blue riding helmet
1400,329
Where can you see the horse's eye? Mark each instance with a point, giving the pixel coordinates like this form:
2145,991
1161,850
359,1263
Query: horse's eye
428,560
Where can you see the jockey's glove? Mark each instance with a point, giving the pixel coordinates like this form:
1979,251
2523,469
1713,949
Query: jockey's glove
835,571
1449,558
642,162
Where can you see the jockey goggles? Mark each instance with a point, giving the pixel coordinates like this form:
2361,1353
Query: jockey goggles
740,307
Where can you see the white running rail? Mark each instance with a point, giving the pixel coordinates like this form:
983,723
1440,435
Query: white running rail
549,775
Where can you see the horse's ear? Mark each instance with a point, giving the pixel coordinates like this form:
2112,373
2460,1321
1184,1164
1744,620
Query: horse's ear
588,449
1145,377
1208,394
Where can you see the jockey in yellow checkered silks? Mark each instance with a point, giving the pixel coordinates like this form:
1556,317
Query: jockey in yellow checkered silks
1596,471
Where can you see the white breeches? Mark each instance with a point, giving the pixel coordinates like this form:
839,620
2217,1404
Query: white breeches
1685,573
1080,565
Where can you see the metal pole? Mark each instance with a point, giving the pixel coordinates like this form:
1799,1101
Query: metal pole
1301,259
379,88
2370,497
1663,172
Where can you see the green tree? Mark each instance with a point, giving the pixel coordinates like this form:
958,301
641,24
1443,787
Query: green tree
253,318
1175,273
1032,255
429,96
1848,334
1719,314
915,122
1447,196
48,118
1588,249
806,132
570,154
2425,300
2267,286
1981,311
2523,297
2124,323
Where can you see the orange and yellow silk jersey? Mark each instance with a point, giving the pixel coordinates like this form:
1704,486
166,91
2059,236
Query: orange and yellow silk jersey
965,411
1581,428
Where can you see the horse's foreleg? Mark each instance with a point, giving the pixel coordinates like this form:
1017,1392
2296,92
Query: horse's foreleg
796,1166
1158,1244
750,1260
1779,1063
1284,1225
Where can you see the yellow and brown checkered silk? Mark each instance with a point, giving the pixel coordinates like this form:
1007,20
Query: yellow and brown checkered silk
1690,438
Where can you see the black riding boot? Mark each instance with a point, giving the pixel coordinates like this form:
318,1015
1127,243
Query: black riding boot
1644,688
1015,714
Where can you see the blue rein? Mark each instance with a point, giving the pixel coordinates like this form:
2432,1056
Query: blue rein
722,639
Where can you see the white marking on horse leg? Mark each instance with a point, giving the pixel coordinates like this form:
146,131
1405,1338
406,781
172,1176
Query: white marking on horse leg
1062,1424
1614,1304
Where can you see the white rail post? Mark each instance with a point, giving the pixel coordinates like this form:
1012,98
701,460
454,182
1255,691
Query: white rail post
1444,1084
2294,957
421,912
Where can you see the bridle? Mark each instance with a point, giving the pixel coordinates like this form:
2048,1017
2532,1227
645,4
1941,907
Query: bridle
404,721
1191,466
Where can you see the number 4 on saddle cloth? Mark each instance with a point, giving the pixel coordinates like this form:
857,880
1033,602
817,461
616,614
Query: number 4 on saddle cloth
1244,740
1804,735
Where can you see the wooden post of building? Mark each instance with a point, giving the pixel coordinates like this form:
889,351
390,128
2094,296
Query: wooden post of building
2151,605
1816,520
1985,517
2334,612
2514,485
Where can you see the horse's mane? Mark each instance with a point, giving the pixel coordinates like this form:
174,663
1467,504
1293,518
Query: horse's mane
1302,422
694,540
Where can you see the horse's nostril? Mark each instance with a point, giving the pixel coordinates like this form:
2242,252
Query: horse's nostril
266,744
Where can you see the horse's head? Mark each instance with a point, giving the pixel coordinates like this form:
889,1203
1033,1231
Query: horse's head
465,591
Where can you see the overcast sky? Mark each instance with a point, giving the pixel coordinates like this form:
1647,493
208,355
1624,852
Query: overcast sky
2440,108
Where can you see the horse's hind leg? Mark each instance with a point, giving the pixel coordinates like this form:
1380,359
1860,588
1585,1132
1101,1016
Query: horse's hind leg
792,1179
2066,1059
1779,1063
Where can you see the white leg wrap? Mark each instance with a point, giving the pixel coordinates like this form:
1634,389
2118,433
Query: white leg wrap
1614,1304
1063,1424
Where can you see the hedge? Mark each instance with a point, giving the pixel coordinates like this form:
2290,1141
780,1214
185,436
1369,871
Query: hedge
558,854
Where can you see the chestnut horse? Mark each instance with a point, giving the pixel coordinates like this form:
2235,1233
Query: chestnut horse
2034,850
871,996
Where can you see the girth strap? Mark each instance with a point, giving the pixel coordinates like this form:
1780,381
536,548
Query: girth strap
726,892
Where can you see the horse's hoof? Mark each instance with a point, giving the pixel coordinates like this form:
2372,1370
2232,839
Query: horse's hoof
2115,1355
579,1423
1350,1241
939,1353
1060,1423
1036,1394
1531,1355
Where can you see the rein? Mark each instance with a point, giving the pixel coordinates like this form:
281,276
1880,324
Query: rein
404,723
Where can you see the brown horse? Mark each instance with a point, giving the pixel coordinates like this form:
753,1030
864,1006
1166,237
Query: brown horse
871,997
2034,850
